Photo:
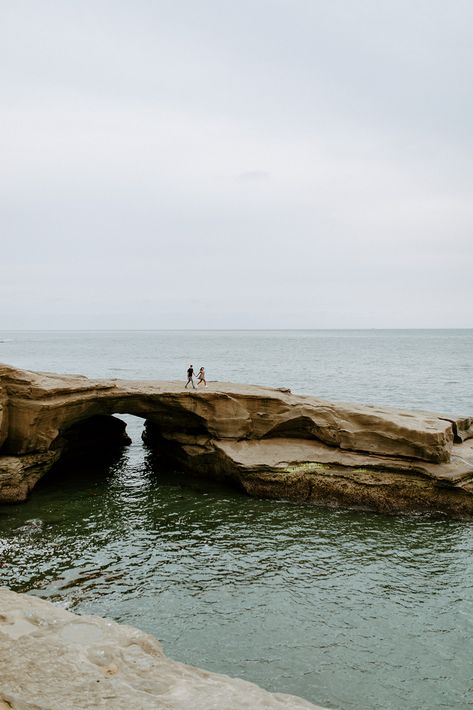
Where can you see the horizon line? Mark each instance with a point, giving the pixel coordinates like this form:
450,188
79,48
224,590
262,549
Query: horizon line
236,330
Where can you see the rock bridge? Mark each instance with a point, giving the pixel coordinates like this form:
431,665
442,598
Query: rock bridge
270,442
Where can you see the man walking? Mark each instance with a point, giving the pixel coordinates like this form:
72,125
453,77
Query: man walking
190,375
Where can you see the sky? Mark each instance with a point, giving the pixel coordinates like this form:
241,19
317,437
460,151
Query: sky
222,164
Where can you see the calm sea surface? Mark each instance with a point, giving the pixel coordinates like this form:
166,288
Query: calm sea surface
348,609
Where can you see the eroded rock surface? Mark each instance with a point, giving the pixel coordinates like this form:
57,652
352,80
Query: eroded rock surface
55,660
267,440
3,414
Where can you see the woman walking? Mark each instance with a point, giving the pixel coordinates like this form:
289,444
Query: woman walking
201,377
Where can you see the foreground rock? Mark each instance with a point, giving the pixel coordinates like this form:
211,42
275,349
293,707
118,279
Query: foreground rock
270,442
55,660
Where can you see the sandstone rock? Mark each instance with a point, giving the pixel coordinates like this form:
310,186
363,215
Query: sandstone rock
277,454
3,415
240,431
19,474
51,658
308,470
94,437
41,406
462,427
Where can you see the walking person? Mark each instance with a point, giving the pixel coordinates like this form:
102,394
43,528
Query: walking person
190,376
201,377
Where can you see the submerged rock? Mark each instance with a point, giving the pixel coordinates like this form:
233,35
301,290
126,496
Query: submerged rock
56,660
270,441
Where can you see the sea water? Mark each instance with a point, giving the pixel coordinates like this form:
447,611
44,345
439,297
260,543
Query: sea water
346,608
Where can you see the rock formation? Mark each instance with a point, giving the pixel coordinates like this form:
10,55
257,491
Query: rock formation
270,442
51,658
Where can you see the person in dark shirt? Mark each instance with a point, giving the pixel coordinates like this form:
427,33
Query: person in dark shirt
190,375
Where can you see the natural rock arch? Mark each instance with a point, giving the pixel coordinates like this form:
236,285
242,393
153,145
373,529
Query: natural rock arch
271,441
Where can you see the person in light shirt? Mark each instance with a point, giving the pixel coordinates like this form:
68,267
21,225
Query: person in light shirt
201,377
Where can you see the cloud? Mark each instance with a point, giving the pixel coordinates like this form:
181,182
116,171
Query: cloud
125,128
253,176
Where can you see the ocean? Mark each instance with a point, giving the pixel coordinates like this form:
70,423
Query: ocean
346,608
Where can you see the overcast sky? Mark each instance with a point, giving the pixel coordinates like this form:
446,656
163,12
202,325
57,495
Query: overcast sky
236,164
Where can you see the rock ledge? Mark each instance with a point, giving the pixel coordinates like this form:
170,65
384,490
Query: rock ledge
269,442
55,660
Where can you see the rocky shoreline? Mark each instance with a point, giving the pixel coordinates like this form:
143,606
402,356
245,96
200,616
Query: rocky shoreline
53,659
269,442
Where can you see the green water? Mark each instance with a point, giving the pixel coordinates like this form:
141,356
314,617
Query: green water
347,609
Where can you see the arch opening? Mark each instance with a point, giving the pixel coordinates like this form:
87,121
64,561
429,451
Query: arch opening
97,435
99,445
